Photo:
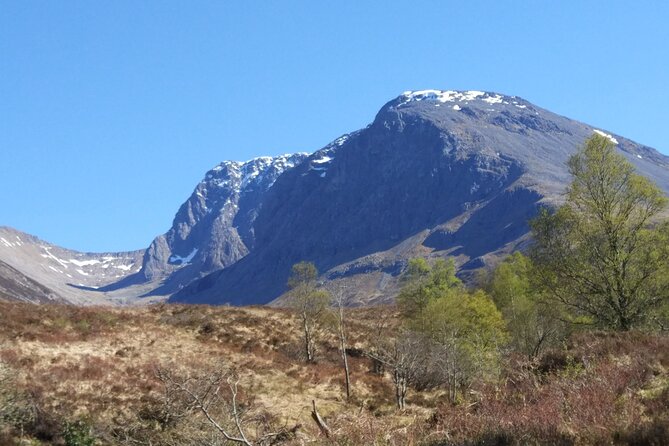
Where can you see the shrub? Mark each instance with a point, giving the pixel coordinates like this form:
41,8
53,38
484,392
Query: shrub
14,408
78,433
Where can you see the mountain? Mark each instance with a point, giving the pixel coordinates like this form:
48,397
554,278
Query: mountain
211,230
437,173
214,228
15,286
64,274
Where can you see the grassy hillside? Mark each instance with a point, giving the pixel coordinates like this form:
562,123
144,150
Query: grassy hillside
69,375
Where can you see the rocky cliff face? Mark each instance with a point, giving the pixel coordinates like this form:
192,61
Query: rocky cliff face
437,173
214,228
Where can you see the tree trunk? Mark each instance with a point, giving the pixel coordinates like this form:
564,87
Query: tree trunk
347,376
319,420
452,387
400,390
342,347
308,348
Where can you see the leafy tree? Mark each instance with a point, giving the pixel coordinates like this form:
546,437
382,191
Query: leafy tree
308,301
598,254
423,283
15,409
464,329
532,324
469,331
660,317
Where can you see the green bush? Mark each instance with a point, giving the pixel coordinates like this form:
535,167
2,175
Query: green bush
78,433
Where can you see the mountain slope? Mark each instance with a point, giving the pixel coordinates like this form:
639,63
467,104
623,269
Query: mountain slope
212,229
15,286
437,173
73,276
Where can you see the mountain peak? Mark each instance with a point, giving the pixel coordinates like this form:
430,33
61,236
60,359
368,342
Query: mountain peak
458,98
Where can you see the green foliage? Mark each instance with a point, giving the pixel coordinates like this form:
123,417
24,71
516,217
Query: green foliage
598,254
469,331
465,328
660,318
423,283
532,324
304,294
14,408
470,320
78,433
303,274
511,281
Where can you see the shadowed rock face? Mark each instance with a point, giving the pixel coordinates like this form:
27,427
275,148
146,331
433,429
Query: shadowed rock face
436,173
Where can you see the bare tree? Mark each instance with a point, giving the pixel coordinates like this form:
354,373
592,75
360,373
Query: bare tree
215,396
405,358
309,302
338,303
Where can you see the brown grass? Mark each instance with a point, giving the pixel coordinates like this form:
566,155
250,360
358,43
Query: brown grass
98,365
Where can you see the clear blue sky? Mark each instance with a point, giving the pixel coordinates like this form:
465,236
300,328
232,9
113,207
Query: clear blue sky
111,112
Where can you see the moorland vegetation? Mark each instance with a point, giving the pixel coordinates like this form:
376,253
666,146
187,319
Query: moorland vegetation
563,344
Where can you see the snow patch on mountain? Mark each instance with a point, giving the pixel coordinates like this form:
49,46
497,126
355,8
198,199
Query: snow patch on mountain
323,160
251,170
439,97
340,141
606,135
242,175
177,259
84,262
493,99
442,95
48,255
